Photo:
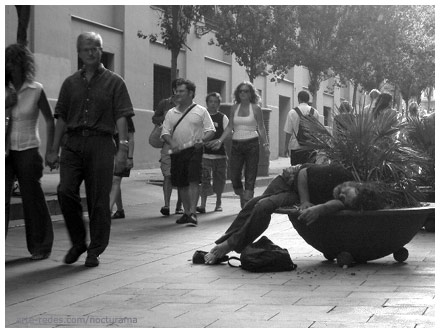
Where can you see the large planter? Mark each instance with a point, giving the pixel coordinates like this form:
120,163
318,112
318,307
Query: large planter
353,236
429,193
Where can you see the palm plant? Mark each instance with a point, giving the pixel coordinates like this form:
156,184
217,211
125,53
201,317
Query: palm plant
420,133
373,150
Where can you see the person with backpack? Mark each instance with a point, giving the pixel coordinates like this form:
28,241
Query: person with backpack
294,133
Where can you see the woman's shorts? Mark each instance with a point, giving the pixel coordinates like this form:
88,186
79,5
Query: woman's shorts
165,164
186,167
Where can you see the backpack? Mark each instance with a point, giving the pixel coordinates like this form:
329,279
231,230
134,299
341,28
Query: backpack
300,136
264,256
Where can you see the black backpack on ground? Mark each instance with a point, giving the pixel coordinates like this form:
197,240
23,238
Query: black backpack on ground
264,256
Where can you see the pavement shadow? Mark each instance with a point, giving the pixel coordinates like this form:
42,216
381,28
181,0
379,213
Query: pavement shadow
18,261
48,273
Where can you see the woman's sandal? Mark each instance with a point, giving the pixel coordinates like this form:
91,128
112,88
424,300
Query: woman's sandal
199,258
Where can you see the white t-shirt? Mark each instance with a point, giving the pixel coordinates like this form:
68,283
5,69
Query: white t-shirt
292,124
192,128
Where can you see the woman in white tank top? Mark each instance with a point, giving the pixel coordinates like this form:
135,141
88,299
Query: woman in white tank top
246,124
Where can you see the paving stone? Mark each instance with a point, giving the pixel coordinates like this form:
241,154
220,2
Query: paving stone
404,320
146,279
236,323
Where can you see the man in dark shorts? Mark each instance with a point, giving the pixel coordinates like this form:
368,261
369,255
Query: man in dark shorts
186,146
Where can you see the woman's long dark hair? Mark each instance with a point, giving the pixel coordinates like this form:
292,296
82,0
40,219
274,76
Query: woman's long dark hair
19,55
255,98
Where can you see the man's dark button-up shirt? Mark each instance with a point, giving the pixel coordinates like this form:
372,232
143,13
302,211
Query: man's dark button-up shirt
94,105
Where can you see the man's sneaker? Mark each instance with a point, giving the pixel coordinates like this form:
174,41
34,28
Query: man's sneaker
183,219
179,211
192,220
119,214
201,209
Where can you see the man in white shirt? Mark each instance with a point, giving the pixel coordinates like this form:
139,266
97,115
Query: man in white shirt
186,146
297,153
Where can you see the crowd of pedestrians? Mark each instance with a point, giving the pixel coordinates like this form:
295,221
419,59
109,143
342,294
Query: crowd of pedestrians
92,141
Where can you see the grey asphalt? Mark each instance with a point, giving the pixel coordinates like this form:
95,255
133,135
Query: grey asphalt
146,277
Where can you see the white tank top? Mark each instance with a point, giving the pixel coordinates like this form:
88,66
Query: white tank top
245,128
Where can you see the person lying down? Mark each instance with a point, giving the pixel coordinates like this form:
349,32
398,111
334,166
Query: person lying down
316,189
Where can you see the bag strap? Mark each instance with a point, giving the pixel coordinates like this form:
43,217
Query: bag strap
233,258
298,111
186,112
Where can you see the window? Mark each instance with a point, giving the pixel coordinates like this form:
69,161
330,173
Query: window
327,115
161,85
218,86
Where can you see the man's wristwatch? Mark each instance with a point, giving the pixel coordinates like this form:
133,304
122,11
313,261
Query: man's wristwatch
123,142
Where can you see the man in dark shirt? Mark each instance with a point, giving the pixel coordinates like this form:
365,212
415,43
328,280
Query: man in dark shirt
91,103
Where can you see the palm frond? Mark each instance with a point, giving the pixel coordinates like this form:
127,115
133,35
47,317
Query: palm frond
372,149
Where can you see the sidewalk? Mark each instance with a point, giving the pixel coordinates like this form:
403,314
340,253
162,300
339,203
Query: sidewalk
146,278
133,187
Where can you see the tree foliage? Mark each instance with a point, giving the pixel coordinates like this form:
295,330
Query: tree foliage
364,45
313,42
413,68
248,33
392,43
175,24
361,44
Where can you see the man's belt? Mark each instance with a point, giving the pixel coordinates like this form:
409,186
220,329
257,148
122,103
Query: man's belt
88,132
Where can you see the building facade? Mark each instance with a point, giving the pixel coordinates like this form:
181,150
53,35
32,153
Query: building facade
145,66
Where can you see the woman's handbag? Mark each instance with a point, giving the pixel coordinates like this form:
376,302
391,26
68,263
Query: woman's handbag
11,100
154,138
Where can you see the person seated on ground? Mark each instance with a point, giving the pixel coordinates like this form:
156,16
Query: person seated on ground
319,190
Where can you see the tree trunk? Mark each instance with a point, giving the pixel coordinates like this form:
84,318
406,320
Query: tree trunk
175,49
24,14
314,87
353,102
174,56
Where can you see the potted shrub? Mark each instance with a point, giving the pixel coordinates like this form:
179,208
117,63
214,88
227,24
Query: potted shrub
420,132
373,148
